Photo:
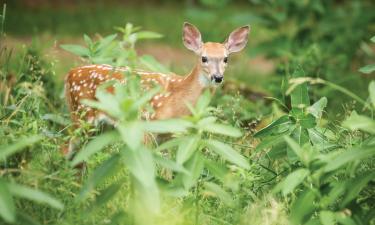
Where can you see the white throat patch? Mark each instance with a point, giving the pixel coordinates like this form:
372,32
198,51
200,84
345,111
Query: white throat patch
204,80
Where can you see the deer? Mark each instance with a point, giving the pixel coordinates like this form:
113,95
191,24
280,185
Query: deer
208,72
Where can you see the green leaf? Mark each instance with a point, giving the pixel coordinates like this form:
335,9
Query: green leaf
292,181
358,122
34,195
7,208
281,125
218,192
104,196
222,129
203,102
355,185
142,167
317,108
218,170
147,35
302,208
77,50
169,144
186,148
105,170
152,64
371,89
195,168
348,156
296,149
134,138
300,96
228,153
373,39
105,42
94,146
18,146
367,69
169,164
327,217
166,126
87,40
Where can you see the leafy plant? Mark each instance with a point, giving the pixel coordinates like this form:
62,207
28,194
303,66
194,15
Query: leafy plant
9,189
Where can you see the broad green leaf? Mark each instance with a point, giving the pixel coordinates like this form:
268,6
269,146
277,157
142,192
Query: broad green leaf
166,126
307,121
152,64
88,40
7,208
104,196
148,35
371,89
94,146
228,153
206,121
218,192
6,151
292,181
317,108
77,50
169,144
105,170
358,122
203,102
302,208
355,185
222,129
141,164
218,170
34,195
278,126
367,69
106,41
300,96
186,148
169,164
142,167
373,39
134,138
195,168
327,217
296,149
349,156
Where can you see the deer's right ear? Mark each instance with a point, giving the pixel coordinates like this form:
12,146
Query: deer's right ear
192,38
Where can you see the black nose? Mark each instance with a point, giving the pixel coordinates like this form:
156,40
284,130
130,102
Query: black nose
218,78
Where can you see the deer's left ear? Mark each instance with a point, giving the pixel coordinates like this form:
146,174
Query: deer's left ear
237,40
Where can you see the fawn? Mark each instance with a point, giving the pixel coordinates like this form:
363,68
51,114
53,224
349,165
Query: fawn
81,82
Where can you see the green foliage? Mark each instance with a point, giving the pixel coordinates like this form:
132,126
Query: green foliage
324,182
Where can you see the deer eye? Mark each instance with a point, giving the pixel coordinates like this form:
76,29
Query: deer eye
225,60
204,59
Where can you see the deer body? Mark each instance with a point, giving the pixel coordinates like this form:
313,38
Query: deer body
82,82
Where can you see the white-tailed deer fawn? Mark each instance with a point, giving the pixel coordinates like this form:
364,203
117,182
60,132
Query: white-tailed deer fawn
81,82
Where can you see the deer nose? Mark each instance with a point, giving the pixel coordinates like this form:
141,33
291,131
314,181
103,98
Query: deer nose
218,78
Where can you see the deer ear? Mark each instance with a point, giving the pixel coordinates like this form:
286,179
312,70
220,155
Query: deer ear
237,40
192,37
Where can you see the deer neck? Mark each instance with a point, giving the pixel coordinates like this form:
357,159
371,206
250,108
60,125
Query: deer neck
193,85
